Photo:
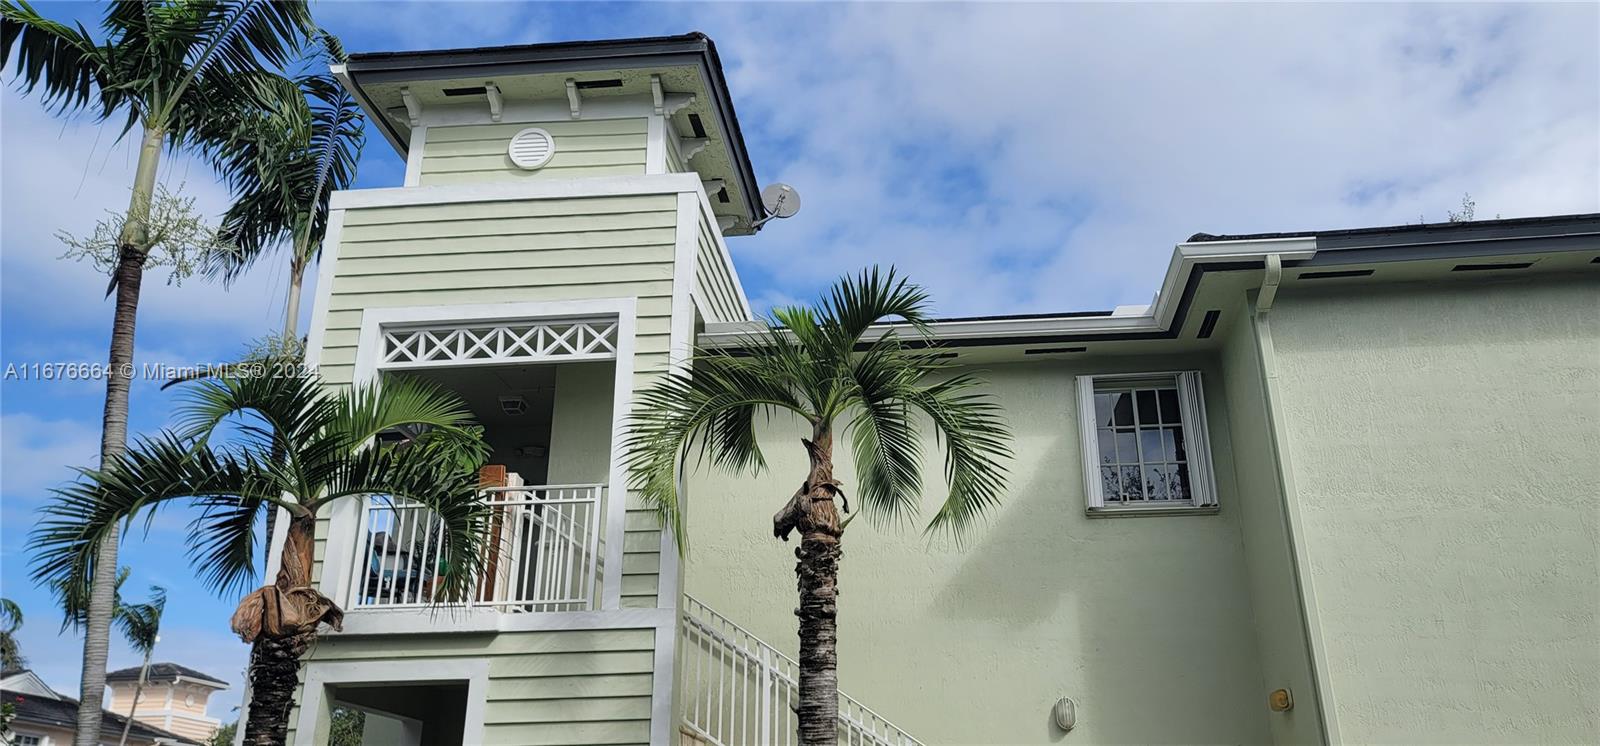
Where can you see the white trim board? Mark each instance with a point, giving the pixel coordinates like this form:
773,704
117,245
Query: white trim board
419,139
458,619
501,191
319,674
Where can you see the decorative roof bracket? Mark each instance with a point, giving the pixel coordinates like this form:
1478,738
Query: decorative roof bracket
689,147
714,185
413,107
574,101
672,102
496,104
656,95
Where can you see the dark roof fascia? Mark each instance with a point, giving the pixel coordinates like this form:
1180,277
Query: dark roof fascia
1410,235
655,51
164,672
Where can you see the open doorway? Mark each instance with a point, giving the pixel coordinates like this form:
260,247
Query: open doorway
432,714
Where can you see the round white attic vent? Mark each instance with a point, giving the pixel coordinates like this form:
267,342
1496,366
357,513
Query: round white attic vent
532,148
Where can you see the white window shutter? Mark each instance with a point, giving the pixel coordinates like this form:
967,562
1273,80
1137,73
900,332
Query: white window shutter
1191,402
1089,444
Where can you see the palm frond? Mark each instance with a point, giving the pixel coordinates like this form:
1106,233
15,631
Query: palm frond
152,473
853,305
436,480
10,616
820,363
65,62
278,410
140,623
887,449
711,412
970,427
236,37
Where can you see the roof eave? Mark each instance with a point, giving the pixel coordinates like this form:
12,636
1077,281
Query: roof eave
642,52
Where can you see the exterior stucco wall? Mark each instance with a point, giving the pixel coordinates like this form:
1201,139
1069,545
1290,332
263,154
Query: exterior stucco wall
1144,621
1443,443
1280,631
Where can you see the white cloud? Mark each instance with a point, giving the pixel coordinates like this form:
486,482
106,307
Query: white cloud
1047,157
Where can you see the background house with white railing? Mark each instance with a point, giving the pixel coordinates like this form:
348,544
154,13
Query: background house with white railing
1330,486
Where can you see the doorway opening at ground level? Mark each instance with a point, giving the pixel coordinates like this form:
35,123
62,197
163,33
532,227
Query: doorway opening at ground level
432,714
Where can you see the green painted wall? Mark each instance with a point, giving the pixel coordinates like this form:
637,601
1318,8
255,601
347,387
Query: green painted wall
502,252
714,280
477,153
1443,442
1258,498
567,687
1145,621
580,452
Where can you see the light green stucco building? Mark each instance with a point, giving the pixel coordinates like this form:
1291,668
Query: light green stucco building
1329,487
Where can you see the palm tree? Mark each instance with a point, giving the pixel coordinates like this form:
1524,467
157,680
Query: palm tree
140,622
141,627
167,67
283,161
330,451
10,621
827,366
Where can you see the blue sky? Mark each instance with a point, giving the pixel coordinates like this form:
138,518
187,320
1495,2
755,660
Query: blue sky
1013,158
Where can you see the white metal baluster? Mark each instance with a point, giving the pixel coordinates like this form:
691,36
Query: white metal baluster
391,541
563,547
361,562
764,709
592,567
541,512
403,577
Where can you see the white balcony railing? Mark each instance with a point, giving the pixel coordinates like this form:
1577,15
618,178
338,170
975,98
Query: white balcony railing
543,552
739,691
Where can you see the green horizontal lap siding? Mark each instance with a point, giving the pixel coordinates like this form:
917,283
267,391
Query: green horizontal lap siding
675,160
557,687
478,152
502,252
641,556
714,278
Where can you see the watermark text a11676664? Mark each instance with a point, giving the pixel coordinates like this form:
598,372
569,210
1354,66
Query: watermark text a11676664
82,371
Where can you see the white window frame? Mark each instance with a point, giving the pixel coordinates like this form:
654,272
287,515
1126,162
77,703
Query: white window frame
1197,443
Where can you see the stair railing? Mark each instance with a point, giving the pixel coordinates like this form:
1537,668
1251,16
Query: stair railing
739,691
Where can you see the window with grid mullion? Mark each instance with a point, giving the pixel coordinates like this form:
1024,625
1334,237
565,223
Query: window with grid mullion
1141,445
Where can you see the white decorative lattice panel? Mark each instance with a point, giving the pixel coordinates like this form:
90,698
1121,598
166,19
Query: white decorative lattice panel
500,342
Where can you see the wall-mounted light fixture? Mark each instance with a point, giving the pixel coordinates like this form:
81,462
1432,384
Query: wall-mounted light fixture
1065,714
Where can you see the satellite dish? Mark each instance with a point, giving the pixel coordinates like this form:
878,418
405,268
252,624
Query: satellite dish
780,201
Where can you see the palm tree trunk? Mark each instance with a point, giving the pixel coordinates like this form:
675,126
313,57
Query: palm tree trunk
114,434
291,304
275,658
138,690
811,511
